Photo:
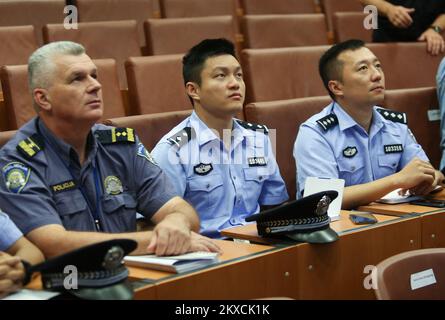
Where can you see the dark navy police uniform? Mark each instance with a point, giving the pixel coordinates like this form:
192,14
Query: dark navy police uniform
43,183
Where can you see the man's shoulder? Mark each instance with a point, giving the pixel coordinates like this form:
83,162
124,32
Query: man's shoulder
179,136
322,121
114,136
392,116
26,145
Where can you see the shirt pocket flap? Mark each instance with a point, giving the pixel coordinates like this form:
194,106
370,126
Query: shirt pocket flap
350,165
205,183
389,160
256,174
113,202
70,202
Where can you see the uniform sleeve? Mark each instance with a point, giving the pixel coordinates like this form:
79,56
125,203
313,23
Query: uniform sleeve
440,84
168,159
274,189
9,233
314,157
411,150
32,206
154,187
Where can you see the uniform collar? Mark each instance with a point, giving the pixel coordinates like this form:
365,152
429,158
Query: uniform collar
345,121
63,149
204,134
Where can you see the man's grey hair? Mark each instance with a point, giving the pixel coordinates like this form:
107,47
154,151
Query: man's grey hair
40,63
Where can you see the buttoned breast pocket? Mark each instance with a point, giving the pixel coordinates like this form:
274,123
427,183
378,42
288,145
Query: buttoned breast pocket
206,192
388,164
73,211
352,171
253,184
120,211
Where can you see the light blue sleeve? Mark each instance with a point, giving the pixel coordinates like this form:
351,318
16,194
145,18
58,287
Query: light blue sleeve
167,158
9,233
440,83
274,189
411,150
314,157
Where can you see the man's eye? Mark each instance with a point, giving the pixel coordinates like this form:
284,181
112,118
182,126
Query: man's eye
239,75
363,68
220,75
94,76
378,65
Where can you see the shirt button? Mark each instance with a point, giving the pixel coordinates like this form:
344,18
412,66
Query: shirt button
352,168
234,178
260,177
208,185
233,221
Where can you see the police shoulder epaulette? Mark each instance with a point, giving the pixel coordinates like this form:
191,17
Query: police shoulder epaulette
253,126
30,146
395,116
328,121
115,135
182,137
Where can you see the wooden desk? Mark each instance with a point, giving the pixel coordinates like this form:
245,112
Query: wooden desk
246,271
403,208
344,224
336,270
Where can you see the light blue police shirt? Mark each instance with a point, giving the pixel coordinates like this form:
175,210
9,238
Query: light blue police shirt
440,81
9,233
224,186
331,144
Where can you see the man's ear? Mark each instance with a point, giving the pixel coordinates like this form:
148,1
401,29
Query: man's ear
192,90
336,87
41,98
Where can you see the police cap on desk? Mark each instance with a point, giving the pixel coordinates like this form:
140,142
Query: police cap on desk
101,273
304,220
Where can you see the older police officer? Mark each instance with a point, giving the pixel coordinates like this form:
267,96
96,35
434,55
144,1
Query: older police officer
64,178
371,148
224,167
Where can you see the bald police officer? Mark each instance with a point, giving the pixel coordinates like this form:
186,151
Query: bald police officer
68,182
223,166
371,148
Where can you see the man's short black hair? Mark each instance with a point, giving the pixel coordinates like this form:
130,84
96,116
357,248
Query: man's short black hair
193,61
329,67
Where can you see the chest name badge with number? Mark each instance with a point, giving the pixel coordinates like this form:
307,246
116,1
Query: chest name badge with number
257,162
393,148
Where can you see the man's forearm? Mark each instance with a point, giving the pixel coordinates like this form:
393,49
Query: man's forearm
440,22
362,194
55,240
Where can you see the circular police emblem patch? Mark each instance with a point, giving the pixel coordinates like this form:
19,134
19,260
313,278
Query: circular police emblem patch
113,185
16,175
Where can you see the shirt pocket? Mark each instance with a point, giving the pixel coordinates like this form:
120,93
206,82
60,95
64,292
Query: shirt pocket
388,164
206,192
120,212
73,211
253,185
352,171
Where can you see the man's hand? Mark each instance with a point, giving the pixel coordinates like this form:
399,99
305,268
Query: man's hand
417,176
11,274
400,16
426,188
201,243
170,237
434,41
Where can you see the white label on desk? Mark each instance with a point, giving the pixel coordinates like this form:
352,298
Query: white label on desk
433,115
422,279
